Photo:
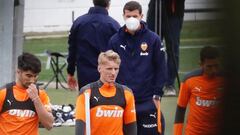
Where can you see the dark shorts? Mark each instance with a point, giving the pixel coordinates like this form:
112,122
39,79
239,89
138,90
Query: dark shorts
147,123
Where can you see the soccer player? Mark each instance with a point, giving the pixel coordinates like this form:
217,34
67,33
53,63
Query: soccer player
22,104
112,109
202,91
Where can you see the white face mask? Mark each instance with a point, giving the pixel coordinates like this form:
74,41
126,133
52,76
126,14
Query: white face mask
132,23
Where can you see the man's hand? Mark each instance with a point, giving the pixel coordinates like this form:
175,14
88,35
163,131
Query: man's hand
72,83
156,100
157,103
32,92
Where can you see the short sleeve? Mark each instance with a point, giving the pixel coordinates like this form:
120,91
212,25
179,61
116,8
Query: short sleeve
129,112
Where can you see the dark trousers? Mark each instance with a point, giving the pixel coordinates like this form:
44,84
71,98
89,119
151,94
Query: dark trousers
147,123
170,32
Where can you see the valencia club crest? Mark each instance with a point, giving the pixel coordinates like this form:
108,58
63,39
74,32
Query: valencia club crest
144,49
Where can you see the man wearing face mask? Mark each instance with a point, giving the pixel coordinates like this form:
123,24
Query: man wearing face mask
142,69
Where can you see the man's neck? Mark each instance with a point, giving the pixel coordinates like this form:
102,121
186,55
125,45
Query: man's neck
133,32
108,83
19,84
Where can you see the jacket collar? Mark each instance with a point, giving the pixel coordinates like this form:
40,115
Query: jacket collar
98,10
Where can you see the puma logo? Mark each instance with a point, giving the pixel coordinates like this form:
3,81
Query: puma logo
9,102
153,115
124,47
197,89
96,98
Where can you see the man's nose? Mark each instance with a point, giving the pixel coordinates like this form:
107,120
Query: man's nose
32,79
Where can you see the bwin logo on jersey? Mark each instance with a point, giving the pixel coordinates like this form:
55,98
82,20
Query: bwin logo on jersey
109,113
205,103
22,113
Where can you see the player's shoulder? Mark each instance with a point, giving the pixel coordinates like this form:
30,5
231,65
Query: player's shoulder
124,87
3,90
42,91
2,87
43,94
194,73
84,88
7,85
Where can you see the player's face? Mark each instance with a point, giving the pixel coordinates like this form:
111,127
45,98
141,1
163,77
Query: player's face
210,67
108,71
135,14
25,78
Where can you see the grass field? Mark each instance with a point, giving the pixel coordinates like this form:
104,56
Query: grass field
194,36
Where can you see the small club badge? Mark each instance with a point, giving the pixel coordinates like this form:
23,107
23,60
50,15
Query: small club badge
144,47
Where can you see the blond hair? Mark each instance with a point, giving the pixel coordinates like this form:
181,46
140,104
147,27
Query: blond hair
109,55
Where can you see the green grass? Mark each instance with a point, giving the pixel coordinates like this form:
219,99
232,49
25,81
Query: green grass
58,131
61,96
193,33
201,29
41,45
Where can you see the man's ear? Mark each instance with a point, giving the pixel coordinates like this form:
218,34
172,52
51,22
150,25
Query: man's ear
99,68
18,71
141,16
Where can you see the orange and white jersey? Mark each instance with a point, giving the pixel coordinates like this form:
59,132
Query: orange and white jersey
20,121
203,95
108,114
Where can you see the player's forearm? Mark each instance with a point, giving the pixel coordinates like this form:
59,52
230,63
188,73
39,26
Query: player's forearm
180,113
179,120
45,117
79,127
130,129
178,128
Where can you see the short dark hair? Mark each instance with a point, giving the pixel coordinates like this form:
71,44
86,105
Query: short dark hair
209,52
131,6
101,3
29,62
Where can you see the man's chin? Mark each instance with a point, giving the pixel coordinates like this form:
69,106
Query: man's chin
111,81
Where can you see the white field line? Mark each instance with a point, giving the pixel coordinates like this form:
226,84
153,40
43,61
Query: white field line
181,47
